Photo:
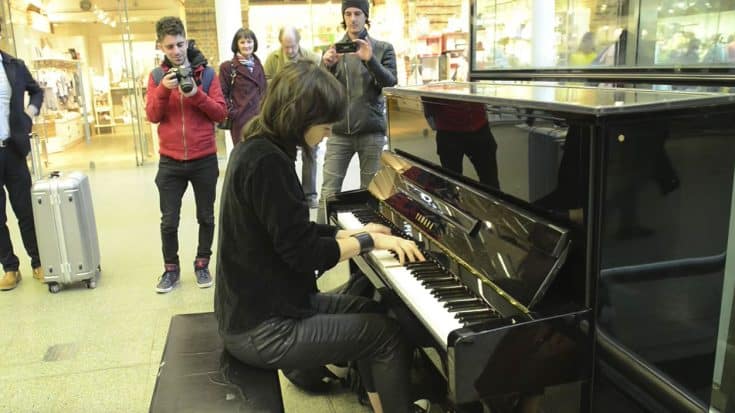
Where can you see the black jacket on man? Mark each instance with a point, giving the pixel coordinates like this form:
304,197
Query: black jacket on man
20,80
364,82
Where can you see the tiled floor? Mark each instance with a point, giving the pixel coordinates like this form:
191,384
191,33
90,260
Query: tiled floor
98,350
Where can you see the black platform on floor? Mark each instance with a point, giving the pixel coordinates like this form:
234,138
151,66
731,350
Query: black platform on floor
197,375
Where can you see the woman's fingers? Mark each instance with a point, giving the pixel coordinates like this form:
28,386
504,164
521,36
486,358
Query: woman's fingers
408,250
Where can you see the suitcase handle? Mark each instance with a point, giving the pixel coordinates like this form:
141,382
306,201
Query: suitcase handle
55,174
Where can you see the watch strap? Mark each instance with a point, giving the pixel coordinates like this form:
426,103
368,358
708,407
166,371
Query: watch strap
365,240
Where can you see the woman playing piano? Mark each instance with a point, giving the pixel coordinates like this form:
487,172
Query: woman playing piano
269,310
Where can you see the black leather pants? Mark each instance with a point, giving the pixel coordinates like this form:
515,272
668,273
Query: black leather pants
346,328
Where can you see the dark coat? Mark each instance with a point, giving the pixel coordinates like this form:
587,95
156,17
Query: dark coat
268,250
364,82
20,80
247,92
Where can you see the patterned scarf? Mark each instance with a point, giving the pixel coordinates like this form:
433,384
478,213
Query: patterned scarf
249,62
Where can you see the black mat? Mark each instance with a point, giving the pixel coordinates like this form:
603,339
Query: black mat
197,375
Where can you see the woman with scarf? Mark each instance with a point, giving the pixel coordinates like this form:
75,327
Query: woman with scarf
243,81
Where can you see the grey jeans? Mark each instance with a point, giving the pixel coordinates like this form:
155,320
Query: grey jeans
340,150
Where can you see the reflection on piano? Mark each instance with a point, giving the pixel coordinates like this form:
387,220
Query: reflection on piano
480,296
608,219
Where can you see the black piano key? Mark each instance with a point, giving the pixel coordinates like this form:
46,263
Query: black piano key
439,282
443,283
456,297
434,277
477,321
455,306
430,276
454,291
422,265
474,315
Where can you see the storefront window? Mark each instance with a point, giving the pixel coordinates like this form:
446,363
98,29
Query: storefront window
524,34
430,42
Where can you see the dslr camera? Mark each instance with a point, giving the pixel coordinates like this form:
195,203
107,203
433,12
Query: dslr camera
346,47
185,78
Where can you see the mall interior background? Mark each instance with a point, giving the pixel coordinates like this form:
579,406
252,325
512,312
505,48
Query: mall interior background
94,56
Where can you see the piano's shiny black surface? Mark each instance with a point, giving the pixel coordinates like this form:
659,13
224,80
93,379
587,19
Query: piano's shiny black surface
478,302
642,180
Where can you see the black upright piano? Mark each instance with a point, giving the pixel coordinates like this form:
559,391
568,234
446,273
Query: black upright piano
550,213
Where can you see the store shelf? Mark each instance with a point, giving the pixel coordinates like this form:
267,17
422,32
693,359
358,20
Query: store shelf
104,114
64,120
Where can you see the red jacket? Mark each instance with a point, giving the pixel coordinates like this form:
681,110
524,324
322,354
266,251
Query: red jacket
454,115
186,125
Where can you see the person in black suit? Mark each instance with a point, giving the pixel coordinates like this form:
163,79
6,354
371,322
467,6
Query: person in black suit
15,130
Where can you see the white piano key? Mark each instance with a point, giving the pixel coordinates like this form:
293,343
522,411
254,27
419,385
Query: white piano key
432,313
347,220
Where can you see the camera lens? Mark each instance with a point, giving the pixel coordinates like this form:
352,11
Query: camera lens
186,82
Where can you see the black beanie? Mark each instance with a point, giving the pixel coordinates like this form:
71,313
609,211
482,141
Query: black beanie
363,5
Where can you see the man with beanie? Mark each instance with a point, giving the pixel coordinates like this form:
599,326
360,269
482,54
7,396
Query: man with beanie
364,74
188,151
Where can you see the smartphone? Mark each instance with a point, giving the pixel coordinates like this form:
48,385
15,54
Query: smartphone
345,47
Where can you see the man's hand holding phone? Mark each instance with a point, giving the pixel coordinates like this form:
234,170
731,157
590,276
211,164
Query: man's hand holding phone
330,57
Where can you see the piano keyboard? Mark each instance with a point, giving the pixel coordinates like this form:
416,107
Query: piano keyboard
435,296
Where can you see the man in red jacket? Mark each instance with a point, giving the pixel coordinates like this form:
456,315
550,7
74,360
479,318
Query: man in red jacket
186,114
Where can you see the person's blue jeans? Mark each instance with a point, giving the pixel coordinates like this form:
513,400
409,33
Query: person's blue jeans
172,179
308,172
340,150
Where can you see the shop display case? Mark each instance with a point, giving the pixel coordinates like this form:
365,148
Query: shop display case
665,41
104,117
63,120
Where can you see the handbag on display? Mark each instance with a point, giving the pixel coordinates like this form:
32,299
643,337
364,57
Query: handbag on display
226,124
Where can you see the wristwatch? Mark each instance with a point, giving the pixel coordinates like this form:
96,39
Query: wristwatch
365,240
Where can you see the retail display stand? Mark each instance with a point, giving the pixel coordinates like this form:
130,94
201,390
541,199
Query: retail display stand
63,118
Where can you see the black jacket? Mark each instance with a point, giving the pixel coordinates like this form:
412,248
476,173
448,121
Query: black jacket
20,80
364,82
268,251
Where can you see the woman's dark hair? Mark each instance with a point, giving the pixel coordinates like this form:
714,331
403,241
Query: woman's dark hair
243,34
300,96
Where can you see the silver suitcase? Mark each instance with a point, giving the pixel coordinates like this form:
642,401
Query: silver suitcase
66,230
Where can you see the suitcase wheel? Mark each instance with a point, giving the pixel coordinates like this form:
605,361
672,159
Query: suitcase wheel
91,283
54,288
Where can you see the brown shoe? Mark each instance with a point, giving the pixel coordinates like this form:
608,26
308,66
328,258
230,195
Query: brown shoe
10,280
38,273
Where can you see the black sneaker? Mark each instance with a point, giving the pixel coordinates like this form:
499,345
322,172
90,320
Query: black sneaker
201,270
169,278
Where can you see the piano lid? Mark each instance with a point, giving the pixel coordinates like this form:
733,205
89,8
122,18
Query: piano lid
565,97
514,251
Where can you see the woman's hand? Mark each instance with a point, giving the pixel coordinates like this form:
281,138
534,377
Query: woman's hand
379,228
406,249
